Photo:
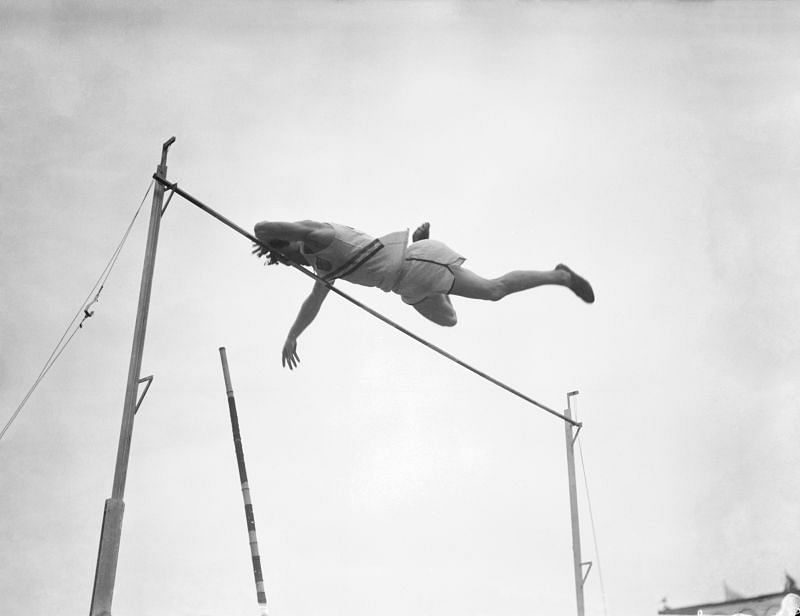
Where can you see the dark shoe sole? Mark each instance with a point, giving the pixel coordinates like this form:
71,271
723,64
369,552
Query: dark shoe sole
579,285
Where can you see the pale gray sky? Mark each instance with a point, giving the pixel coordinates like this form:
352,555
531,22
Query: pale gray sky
653,146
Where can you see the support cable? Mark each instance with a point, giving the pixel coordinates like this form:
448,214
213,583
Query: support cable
174,187
594,532
66,337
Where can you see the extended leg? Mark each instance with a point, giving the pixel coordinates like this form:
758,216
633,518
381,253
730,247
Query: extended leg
469,284
437,308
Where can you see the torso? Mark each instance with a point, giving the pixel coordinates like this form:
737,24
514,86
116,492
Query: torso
337,251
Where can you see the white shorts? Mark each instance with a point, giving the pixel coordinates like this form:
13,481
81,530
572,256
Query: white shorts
426,271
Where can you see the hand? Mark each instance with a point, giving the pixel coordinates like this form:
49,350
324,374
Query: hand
273,256
259,250
289,355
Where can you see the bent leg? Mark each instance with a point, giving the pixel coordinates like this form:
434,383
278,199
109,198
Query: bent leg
437,308
469,284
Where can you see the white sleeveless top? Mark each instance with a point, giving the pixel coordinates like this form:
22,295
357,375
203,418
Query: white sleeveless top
359,258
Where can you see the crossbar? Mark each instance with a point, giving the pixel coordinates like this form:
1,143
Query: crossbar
194,201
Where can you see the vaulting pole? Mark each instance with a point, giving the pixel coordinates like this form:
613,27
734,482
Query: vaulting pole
108,552
248,505
571,434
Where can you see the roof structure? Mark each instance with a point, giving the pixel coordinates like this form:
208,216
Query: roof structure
773,604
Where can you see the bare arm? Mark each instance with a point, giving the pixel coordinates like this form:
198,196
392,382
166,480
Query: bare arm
308,312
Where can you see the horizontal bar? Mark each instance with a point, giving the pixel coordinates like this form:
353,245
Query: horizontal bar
377,315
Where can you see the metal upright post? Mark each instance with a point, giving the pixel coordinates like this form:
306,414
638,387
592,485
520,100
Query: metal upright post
571,433
108,551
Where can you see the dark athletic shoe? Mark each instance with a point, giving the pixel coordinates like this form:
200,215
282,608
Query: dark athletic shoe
423,232
579,286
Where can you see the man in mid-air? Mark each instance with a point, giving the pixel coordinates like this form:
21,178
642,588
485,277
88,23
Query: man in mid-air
424,273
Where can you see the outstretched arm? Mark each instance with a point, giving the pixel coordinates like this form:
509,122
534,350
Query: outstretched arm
308,312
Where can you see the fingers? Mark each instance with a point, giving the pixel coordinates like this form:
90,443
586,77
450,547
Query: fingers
289,355
259,250
290,358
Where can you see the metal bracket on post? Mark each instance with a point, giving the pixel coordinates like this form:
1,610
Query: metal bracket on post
578,425
588,569
164,149
149,381
164,209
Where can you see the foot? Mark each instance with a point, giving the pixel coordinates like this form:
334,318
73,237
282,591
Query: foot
579,286
423,232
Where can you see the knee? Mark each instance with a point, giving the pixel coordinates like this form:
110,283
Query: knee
496,290
445,318
448,320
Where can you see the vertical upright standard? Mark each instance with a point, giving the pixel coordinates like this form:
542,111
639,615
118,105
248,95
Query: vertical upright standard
108,552
248,505
571,433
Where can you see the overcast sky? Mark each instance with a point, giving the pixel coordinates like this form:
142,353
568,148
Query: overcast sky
654,147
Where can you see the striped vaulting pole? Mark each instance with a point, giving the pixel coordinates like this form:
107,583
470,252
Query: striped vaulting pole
248,506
